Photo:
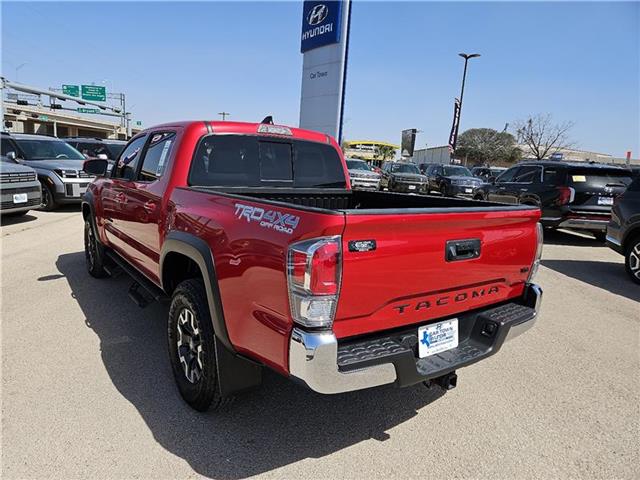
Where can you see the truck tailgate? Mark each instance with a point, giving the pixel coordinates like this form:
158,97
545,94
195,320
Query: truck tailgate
406,279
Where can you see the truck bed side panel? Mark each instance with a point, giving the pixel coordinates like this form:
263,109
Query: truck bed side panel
407,279
250,261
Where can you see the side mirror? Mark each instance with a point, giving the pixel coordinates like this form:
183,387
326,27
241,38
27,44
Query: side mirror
12,156
97,167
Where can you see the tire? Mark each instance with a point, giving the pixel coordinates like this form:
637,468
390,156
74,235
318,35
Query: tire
93,252
632,259
194,364
48,200
600,236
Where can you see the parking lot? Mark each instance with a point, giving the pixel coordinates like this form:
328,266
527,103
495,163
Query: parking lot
88,391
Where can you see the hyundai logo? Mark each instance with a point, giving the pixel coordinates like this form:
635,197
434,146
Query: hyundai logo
317,14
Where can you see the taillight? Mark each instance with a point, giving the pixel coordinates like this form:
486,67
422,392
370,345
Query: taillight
536,261
566,195
314,270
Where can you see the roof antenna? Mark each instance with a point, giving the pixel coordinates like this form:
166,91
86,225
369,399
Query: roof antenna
268,120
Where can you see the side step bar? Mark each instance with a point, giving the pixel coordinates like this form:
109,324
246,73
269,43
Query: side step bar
140,283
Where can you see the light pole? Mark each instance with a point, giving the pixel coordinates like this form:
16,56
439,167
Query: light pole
466,57
224,115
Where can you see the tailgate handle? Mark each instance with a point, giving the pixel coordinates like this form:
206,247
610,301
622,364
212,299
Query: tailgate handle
462,249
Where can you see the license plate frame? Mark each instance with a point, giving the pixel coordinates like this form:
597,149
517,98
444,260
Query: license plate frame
19,198
607,201
412,187
440,337
468,190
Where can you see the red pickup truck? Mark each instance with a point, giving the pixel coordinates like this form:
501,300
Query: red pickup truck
269,259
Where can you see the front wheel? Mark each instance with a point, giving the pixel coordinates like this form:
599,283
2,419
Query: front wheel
48,201
192,347
93,252
632,259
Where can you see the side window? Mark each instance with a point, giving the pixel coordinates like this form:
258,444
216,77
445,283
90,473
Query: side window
508,175
129,158
530,174
554,176
7,146
157,156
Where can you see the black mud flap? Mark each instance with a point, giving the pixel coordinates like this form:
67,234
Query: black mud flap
236,374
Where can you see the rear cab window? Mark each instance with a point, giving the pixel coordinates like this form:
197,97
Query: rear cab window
256,161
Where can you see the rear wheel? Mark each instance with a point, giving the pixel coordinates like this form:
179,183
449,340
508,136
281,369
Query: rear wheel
192,347
632,259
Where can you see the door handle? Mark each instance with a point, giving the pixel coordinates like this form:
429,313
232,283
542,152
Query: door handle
149,206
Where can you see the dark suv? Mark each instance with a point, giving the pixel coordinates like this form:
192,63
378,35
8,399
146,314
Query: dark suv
97,147
452,180
623,232
575,195
402,177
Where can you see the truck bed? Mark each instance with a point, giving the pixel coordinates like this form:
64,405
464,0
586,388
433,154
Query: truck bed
363,202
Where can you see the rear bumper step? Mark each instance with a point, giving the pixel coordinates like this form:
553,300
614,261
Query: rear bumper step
327,365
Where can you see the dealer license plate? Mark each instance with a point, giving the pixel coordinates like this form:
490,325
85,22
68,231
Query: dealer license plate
468,190
605,200
437,337
20,198
412,187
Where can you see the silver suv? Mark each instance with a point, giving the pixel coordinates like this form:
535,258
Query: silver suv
19,188
57,164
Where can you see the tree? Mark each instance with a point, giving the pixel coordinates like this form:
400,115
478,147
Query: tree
383,152
486,145
542,137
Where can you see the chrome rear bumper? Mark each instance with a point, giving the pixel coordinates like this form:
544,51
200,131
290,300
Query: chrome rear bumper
313,356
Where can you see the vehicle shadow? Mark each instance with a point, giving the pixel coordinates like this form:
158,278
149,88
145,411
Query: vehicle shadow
6,220
569,238
610,276
279,424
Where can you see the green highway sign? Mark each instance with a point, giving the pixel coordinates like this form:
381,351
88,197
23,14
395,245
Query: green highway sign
94,92
73,90
88,110
138,123
43,117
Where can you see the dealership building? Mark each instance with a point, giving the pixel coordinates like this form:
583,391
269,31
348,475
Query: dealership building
366,149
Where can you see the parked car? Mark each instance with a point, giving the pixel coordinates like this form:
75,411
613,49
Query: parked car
573,195
623,231
486,173
19,188
452,180
402,177
363,177
57,164
269,259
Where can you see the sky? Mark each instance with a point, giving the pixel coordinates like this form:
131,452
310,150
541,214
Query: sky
579,62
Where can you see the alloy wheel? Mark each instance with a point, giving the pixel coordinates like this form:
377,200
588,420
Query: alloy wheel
190,346
92,249
634,260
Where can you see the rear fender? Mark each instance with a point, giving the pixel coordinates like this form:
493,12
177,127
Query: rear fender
235,373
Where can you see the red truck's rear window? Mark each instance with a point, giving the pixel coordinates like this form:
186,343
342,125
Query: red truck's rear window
254,161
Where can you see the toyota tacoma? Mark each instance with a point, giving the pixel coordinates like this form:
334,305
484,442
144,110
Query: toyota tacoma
267,258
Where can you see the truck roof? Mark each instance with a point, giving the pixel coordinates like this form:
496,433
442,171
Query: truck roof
247,128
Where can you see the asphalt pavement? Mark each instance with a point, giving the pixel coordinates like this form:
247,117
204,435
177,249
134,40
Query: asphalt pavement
87,390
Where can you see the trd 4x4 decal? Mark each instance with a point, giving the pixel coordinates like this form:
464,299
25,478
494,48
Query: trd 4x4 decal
273,219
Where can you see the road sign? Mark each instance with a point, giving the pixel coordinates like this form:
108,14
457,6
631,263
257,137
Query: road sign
73,90
88,110
43,117
94,92
138,123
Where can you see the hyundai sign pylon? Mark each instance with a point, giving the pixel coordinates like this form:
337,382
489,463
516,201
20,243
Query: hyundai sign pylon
324,42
